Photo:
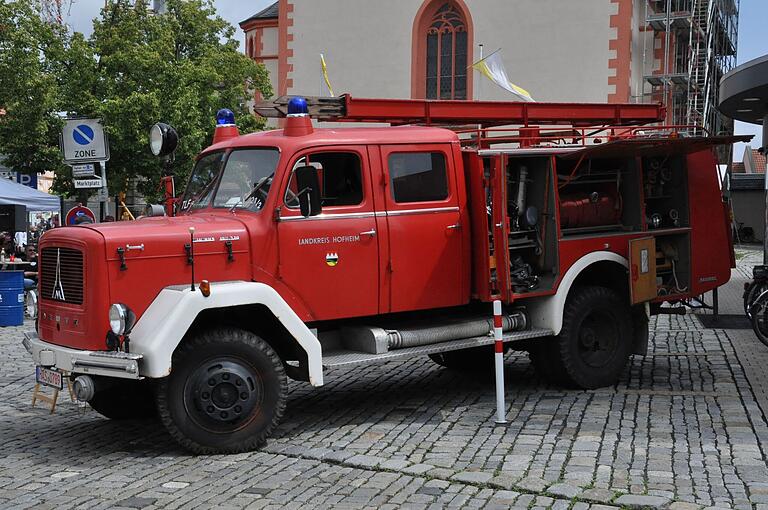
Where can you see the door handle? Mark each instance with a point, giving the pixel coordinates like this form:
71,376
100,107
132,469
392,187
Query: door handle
371,233
451,227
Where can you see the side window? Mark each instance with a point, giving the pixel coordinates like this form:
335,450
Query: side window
418,176
341,179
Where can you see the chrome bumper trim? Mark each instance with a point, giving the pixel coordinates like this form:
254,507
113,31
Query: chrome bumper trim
110,364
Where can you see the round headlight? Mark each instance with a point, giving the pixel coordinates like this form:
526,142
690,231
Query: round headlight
118,313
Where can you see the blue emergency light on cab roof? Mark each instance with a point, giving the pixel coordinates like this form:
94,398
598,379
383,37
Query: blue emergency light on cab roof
298,106
225,117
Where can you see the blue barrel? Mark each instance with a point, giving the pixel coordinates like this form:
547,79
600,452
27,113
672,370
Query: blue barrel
11,298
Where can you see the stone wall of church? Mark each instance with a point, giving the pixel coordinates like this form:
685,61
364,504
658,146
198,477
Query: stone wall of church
366,43
557,49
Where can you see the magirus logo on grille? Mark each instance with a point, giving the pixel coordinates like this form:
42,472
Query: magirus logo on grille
58,288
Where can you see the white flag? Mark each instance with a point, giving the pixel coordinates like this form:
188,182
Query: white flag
493,69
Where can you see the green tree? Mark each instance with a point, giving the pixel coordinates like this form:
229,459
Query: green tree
137,68
180,67
30,128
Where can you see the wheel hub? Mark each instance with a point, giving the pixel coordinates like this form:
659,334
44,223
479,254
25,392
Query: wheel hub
598,338
222,394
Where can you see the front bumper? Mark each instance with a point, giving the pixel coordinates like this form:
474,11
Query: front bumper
106,363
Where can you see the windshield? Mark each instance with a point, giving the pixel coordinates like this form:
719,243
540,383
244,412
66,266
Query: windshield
247,178
202,181
238,185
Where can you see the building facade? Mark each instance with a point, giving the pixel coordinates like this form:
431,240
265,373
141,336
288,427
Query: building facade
558,50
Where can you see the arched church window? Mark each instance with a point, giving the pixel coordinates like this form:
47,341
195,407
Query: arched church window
446,54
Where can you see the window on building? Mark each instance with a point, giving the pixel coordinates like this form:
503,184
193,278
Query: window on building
418,176
447,54
341,179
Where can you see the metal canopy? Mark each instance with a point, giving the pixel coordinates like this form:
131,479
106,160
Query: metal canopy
744,92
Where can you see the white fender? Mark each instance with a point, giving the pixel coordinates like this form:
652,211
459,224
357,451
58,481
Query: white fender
547,312
166,321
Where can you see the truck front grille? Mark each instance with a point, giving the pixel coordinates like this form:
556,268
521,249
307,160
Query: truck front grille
61,275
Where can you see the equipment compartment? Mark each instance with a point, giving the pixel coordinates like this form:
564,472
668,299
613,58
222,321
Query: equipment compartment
599,195
666,192
532,234
673,264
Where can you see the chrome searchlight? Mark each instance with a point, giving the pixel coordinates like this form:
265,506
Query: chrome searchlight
163,139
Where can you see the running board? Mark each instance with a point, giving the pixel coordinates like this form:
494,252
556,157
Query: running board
341,358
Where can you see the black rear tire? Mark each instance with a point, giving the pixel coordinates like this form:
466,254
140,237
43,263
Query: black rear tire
595,342
226,392
125,400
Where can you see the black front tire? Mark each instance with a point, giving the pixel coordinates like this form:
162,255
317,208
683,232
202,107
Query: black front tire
595,342
226,393
125,400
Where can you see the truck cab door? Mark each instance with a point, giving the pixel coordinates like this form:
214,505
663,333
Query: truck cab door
423,223
331,261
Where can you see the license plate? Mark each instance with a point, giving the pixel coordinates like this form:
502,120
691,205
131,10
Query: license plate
52,378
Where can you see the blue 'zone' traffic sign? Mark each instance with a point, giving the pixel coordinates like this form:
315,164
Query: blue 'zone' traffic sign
83,141
82,134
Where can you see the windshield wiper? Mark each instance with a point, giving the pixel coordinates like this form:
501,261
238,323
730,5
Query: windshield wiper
256,188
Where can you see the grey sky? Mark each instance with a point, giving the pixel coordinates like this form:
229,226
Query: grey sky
752,40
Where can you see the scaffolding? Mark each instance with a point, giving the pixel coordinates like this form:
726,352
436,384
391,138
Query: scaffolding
694,45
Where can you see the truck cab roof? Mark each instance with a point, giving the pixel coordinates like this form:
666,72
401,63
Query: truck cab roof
339,136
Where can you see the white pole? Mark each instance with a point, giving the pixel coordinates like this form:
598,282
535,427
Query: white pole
480,79
477,96
501,406
103,192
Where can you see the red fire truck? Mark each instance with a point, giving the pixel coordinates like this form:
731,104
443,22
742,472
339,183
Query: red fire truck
301,249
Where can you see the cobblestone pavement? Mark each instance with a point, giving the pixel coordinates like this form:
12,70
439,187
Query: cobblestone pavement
684,425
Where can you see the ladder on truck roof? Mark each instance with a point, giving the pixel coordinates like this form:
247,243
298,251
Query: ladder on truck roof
345,108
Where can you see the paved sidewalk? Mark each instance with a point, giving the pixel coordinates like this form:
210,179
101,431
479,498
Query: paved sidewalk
684,424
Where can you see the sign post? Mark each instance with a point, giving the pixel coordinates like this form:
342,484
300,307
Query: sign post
84,145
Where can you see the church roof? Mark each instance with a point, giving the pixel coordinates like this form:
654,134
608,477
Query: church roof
268,13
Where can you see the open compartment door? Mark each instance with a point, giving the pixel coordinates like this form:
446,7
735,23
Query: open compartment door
642,270
500,220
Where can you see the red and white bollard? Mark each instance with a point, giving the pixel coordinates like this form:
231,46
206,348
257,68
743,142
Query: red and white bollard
499,364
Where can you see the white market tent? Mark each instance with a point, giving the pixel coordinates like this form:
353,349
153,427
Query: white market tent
12,193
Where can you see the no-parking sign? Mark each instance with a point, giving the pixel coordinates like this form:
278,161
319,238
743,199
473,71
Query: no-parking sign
76,212
84,141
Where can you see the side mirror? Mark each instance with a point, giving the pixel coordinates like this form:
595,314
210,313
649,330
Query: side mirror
309,191
163,139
